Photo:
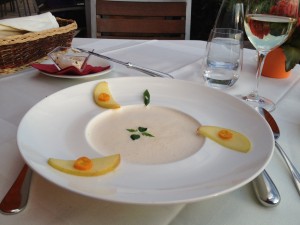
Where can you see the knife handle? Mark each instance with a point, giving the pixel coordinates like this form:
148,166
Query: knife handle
16,198
265,190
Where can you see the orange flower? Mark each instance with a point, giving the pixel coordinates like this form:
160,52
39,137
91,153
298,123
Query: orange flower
285,8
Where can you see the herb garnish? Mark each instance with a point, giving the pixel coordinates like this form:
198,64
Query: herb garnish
142,129
147,134
138,132
132,130
135,136
146,97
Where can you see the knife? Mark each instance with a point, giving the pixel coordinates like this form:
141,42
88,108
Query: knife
151,72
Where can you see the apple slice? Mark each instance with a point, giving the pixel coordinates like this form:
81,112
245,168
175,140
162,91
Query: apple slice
103,96
226,137
100,166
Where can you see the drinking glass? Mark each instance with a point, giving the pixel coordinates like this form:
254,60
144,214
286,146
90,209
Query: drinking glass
268,24
224,50
230,15
222,64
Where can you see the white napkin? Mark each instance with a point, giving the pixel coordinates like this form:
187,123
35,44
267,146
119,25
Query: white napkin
21,25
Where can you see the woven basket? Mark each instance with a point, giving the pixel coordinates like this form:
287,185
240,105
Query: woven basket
17,52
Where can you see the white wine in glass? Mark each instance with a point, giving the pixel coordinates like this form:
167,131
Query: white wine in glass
268,24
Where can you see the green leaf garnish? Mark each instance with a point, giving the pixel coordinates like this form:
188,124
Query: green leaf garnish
146,97
138,132
147,134
142,129
132,130
135,136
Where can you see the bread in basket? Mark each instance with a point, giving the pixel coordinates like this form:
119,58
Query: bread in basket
17,52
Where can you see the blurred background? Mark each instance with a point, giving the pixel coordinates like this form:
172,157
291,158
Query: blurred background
203,13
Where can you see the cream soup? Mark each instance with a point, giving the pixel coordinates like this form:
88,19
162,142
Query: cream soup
174,132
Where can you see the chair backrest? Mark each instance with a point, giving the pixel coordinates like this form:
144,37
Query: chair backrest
140,20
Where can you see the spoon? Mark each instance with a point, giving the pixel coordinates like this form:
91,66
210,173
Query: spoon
265,190
16,198
264,187
276,132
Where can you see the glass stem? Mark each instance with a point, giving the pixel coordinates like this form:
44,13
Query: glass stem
261,60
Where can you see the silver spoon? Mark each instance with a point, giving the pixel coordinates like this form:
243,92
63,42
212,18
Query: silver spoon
16,198
275,129
265,190
264,187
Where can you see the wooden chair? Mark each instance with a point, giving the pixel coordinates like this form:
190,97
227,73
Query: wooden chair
140,20
3,7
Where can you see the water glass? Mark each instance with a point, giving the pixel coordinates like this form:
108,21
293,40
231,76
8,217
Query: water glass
224,56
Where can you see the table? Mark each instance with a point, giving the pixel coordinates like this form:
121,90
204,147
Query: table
50,204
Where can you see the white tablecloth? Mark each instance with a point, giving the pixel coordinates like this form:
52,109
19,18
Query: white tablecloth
50,204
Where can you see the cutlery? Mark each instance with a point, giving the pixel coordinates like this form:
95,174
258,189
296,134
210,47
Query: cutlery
264,187
16,198
86,60
151,72
265,190
276,132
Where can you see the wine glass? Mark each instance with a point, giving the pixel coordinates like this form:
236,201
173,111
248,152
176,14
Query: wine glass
268,24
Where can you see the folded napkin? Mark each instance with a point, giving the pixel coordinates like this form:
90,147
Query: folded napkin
71,70
21,25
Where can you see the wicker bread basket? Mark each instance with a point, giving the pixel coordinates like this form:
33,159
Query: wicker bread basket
17,52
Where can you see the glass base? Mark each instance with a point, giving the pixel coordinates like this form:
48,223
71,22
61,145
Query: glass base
259,101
